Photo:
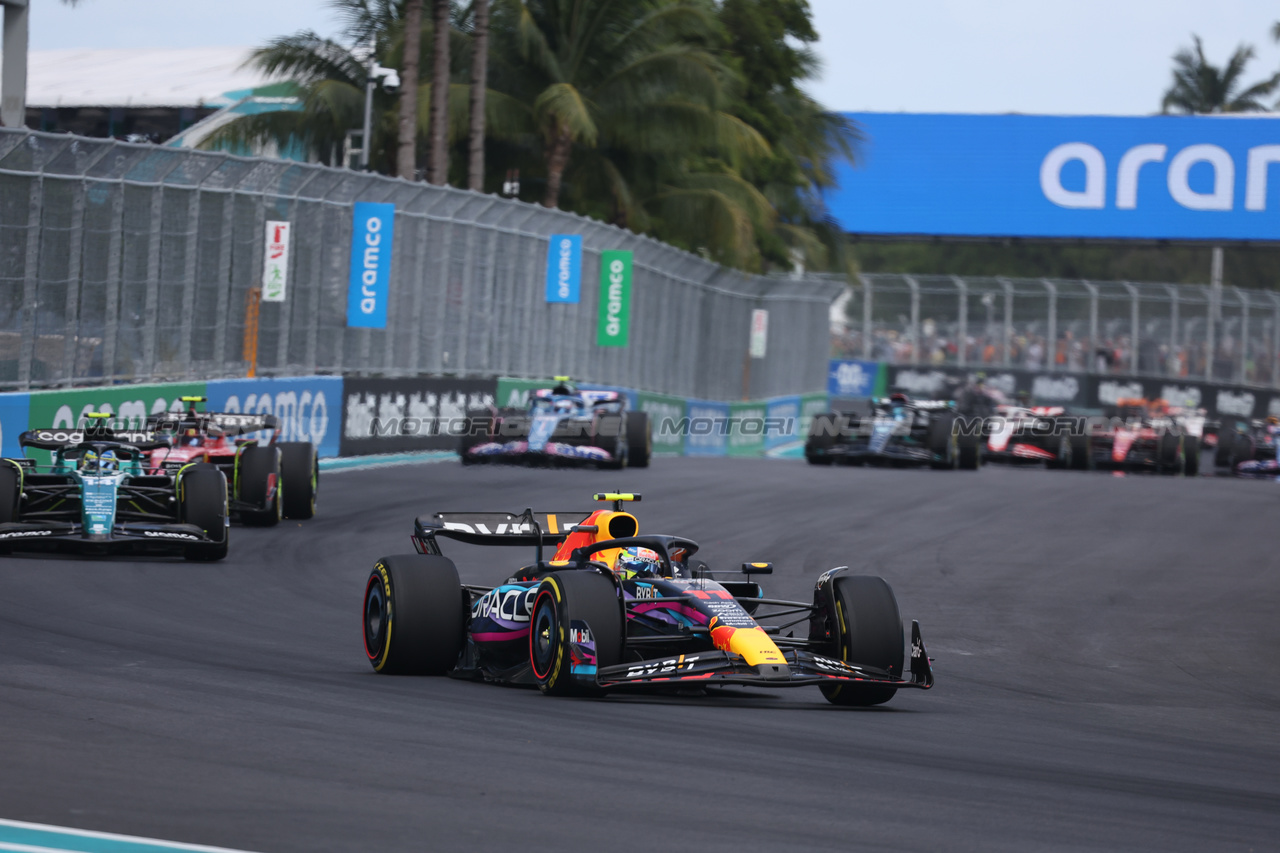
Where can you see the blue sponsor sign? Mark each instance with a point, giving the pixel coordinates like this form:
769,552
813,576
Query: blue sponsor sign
372,238
309,407
564,268
782,422
1152,177
852,378
15,410
708,433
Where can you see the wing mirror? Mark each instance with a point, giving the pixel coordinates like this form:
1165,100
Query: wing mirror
757,568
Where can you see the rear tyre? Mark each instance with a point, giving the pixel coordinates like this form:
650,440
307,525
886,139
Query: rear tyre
969,450
943,443
868,632
639,440
202,501
258,483
299,478
605,432
10,491
822,437
10,494
1191,455
562,599
414,615
1081,450
1171,460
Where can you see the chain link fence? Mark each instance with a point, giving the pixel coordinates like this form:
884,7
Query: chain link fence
1223,334
125,263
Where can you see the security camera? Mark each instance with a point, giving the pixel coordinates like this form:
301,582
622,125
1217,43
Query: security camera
390,79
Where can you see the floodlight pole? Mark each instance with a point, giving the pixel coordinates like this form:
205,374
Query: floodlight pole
13,73
368,118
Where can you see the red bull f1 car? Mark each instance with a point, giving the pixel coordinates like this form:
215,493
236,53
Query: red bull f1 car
562,425
97,496
615,610
267,479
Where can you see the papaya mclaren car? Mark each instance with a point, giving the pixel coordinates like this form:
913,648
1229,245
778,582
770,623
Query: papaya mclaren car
96,497
267,479
588,622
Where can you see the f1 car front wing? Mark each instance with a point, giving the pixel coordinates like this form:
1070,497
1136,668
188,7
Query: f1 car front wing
803,668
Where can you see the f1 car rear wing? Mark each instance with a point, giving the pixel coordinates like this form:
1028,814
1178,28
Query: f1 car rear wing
225,423
56,439
528,529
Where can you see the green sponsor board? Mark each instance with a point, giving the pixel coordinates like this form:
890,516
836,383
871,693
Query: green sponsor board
615,299
130,404
514,393
666,415
881,387
746,429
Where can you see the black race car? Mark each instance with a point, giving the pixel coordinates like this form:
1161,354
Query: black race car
581,624
97,497
898,430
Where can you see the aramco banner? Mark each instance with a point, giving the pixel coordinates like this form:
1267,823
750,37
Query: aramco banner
372,238
1151,177
614,327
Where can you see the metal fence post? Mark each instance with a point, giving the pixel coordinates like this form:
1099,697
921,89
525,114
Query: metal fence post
75,248
150,311
1092,354
192,249
1051,339
31,280
1134,330
1008,322
962,331
866,316
915,318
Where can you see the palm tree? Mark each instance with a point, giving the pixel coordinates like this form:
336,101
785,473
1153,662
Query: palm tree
438,165
479,83
1201,88
329,80
407,136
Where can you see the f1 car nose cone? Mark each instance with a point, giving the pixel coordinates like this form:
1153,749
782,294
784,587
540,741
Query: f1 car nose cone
773,671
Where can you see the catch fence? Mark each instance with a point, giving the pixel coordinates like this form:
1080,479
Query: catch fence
1191,332
129,263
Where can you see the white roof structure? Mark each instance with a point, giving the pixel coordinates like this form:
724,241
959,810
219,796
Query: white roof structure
159,77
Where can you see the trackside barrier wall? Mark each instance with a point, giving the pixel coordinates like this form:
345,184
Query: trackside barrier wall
134,263
1080,391
355,416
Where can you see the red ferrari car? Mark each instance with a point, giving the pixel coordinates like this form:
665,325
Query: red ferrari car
267,479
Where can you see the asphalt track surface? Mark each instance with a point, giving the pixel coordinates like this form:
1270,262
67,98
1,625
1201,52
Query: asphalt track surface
1105,650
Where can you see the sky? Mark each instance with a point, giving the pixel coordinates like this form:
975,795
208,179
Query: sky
1108,57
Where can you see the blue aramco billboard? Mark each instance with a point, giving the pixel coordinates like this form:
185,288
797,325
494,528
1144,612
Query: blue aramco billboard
1154,177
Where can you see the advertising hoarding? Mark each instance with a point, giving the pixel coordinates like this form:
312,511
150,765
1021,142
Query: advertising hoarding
1106,177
